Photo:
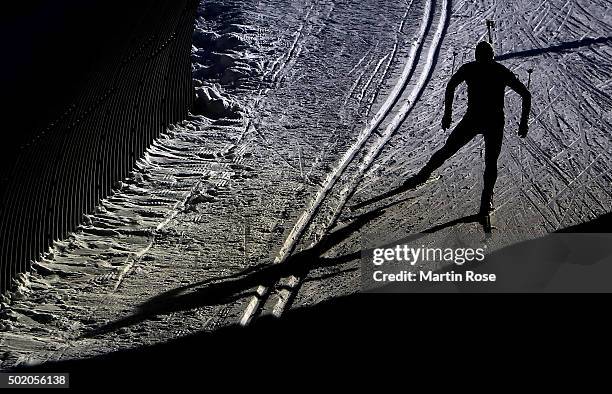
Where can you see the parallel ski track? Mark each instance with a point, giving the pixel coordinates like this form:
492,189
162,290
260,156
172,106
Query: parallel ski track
291,242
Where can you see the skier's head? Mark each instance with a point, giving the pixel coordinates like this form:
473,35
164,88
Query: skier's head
484,52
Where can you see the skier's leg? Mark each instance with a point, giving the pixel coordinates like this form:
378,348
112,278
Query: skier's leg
461,135
493,143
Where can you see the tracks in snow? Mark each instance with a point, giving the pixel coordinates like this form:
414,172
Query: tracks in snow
305,221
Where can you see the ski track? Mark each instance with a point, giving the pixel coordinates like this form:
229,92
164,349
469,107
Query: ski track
306,217
372,153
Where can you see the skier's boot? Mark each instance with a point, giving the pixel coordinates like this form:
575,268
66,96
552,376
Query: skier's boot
484,215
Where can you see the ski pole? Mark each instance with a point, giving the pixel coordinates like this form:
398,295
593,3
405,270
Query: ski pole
490,25
529,79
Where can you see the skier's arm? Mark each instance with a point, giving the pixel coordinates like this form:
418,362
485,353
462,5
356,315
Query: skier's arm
521,89
449,96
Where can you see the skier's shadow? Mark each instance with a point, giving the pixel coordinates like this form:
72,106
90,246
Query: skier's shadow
219,291
223,290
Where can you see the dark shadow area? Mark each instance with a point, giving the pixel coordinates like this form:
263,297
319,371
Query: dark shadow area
230,288
86,87
515,263
348,340
47,57
334,335
575,259
565,46
601,224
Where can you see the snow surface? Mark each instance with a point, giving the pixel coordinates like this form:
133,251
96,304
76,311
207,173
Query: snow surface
305,106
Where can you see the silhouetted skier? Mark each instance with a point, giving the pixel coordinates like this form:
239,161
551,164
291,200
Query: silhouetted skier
486,82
